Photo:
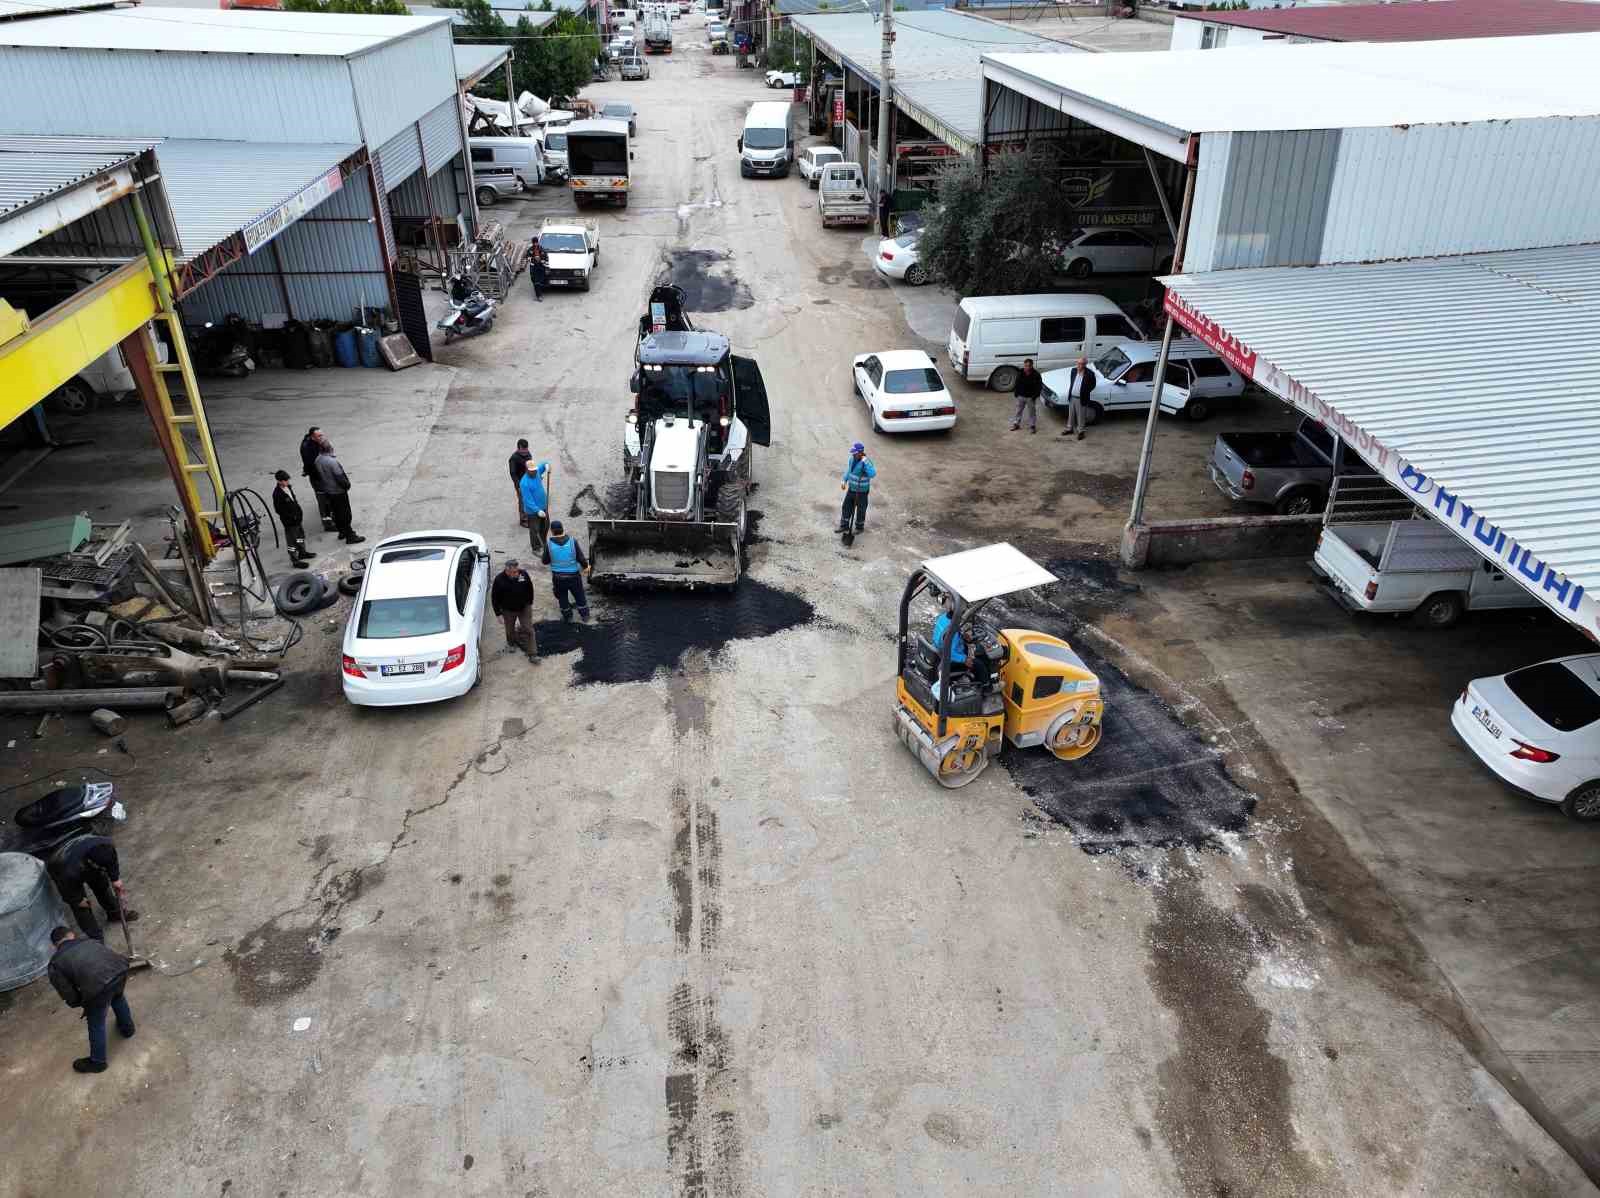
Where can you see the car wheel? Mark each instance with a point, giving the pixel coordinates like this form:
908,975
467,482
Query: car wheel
916,276
486,197
73,398
1441,610
812,182
299,593
1092,413
477,679
1003,379
1583,804
1080,268
1298,503
1197,410
1164,267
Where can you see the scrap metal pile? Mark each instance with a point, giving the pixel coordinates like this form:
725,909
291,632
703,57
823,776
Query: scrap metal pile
492,262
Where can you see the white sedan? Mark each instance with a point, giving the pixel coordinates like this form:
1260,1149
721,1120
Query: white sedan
1538,728
413,631
1114,251
897,259
813,158
785,78
903,391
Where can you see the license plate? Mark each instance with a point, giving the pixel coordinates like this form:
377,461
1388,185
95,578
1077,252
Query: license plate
922,412
1482,716
390,671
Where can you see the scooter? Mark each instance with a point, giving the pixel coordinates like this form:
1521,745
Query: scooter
471,311
225,349
46,824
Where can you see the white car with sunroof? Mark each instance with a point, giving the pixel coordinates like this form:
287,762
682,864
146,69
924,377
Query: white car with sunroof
414,629
904,391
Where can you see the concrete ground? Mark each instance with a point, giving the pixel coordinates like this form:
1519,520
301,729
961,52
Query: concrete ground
673,913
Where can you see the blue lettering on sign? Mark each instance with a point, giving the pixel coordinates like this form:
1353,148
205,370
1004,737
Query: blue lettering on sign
1443,500
1521,558
1459,511
1414,480
1489,536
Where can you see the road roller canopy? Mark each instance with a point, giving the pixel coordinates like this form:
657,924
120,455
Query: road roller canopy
979,574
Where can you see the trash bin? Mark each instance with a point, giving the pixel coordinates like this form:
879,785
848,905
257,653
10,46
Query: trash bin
367,339
29,908
345,351
320,338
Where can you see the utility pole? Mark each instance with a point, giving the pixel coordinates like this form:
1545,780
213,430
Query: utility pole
886,101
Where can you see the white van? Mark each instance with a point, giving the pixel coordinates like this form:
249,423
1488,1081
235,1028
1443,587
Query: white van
1198,380
766,147
994,333
503,166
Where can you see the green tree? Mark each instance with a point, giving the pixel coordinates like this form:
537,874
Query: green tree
556,59
989,237
366,8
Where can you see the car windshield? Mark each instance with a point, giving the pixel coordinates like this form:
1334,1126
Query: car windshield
564,243
393,619
765,139
912,382
620,111
1112,362
1556,695
555,141
695,391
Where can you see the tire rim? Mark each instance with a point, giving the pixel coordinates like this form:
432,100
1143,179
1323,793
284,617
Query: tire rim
1299,507
1587,803
1439,612
73,401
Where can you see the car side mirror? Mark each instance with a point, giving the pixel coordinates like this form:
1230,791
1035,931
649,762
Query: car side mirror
633,383
740,143
1120,383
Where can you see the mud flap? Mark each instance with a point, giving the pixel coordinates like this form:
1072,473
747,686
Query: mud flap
666,554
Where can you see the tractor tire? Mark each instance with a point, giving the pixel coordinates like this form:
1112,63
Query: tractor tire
733,507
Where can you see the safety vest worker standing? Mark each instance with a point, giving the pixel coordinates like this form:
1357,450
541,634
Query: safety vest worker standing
567,565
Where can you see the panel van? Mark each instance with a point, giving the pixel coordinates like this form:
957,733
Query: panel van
992,334
505,166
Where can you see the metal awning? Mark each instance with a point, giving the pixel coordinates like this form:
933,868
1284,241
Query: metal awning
474,62
1406,362
47,183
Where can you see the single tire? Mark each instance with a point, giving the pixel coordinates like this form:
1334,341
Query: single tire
1197,410
813,182
1583,804
350,585
624,201
733,507
357,565
916,276
1440,610
1004,378
299,593
328,597
1080,268
1092,413
1164,267
1301,502
74,398
486,197
876,427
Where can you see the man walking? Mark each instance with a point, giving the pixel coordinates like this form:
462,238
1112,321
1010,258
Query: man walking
538,270
519,467
292,516
885,211
535,502
310,447
511,596
857,487
90,863
567,565
89,975
1080,386
335,483
1027,390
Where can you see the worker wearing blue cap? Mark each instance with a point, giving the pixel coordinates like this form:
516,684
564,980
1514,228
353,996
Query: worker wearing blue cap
857,487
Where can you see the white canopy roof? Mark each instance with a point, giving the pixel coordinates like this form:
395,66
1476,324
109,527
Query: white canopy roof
979,574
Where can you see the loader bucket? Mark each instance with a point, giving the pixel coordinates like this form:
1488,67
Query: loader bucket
663,554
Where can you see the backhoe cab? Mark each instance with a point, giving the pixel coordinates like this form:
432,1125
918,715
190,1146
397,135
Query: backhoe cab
1028,687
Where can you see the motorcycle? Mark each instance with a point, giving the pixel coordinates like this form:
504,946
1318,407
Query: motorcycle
46,824
471,312
225,349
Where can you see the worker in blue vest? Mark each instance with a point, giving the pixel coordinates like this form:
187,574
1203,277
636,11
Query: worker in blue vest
856,483
567,565
535,502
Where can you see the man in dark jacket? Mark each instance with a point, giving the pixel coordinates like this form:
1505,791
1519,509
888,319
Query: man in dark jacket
1080,386
335,483
1027,390
310,447
519,467
292,516
89,975
85,864
567,565
511,596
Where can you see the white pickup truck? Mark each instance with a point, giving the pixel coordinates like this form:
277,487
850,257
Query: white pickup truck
1416,567
572,250
842,193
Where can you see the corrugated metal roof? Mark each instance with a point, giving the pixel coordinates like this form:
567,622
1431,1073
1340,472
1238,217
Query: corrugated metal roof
218,188
927,45
1505,452
474,62
951,109
214,31
34,168
1409,22
25,10
1327,86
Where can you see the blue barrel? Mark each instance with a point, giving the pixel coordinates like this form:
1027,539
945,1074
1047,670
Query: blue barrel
369,347
345,351
29,908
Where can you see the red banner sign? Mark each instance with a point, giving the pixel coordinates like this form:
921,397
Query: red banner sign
838,108
1234,352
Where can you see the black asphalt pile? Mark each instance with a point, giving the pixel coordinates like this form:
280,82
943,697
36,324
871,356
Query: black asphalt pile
654,631
707,281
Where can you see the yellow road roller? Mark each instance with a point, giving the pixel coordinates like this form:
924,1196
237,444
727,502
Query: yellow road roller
964,684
